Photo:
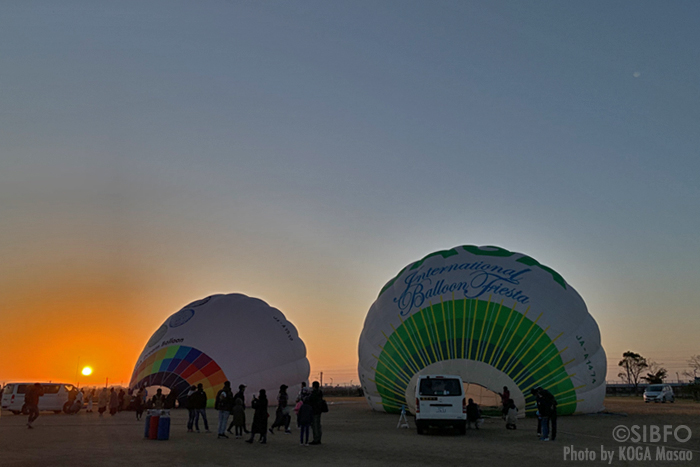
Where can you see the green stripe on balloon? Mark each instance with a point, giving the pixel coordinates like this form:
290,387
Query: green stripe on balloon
483,331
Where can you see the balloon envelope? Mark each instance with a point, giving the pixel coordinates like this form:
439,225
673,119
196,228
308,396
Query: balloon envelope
496,318
222,338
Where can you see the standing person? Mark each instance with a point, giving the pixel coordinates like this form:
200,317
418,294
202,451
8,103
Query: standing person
120,400
224,404
71,396
113,402
238,418
31,400
103,401
171,399
505,398
191,399
548,404
158,400
138,403
533,393
543,411
90,396
473,414
282,417
553,419
200,408
145,397
259,418
303,392
305,417
239,395
77,403
128,400
511,416
317,404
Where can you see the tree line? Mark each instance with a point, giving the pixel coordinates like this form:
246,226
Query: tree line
635,369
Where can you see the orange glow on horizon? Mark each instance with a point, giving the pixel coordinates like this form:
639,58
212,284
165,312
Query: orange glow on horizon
49,326
65,319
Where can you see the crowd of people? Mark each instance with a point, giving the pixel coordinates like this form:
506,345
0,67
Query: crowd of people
113,399
308,409
309,406
120,400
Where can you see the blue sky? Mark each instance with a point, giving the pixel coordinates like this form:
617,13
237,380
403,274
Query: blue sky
304,152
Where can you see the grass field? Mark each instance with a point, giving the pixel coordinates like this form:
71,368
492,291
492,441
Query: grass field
353,435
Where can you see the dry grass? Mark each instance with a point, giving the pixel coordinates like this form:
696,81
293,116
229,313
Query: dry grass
353,435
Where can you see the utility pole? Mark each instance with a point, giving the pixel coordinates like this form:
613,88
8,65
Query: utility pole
77,368
321,379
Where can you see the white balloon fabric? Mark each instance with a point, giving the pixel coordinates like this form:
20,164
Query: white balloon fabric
224,337
496,318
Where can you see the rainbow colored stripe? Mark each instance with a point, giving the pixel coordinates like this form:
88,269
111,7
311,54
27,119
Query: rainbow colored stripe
178,367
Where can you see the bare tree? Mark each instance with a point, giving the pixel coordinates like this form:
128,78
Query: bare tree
694,364
632,365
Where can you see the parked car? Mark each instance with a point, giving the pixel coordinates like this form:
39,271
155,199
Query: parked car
56,398
440,401
659,393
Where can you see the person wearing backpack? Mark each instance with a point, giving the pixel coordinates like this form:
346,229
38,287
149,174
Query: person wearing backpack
319,406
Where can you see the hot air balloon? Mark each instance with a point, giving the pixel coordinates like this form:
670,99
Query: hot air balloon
494,317
223,337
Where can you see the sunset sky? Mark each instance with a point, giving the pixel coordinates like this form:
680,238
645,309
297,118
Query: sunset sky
153,153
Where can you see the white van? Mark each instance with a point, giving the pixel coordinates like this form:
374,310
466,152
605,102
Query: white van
440,401
55,398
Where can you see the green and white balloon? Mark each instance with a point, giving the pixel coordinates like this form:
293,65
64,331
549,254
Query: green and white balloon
496,318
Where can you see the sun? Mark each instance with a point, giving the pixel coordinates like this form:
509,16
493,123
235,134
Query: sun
87,371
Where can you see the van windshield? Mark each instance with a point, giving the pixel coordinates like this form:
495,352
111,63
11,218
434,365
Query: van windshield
440,387
655,388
